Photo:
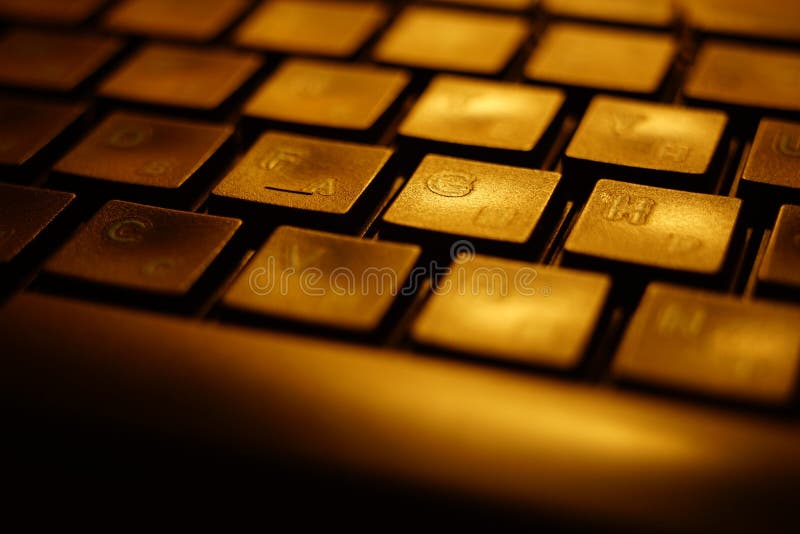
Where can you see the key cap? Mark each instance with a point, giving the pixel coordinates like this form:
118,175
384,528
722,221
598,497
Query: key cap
657,13
768,19
779,274
184,77
477,200
25,212
193,20
142,248
772,172
744,75
645,141
28,128
444,39
52,61
605,59
655,227
50,11
287,176
514,311
139,155
712,344
327,95
336,29
509,5
325,279
481,118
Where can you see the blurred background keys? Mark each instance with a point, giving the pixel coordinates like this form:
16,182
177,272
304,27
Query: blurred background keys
654,227
191,20
71,12
514,311
601,58
750,76
327,95
481,119
712,344
326,279
141,248
644,141
143,156
772,173
324,28
28,130
52,61
510,5
285,177
180,76
765,19
457,197
25,212
658,13
460,41
779,274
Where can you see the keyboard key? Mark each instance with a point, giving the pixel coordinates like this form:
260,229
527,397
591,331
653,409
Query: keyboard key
337,29
327,94
451,40
769,19
773,165
25,212
194,20
158,156
137,247
655,227
779,273
514,311
602,58
466,112
50,11
171,75
326,279
28,127
303,174
479,200
636,12
712,344
509,5
52,61
624,137
746,75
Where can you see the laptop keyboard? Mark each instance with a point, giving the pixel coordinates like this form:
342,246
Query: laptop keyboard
629,163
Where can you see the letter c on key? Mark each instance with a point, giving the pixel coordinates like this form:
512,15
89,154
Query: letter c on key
130,230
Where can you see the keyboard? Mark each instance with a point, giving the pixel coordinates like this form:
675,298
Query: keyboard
499,262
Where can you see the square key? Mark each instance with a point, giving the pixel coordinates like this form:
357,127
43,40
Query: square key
774,159
172,75
336,29
514,311
28,126
656,13
473,199
327,94
194,20
140,150
453,109
137,247
445,39
597,57
325,279
304,173
780,268
52,61
746,75
25,212
50,11
712,344
655,227
642,135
